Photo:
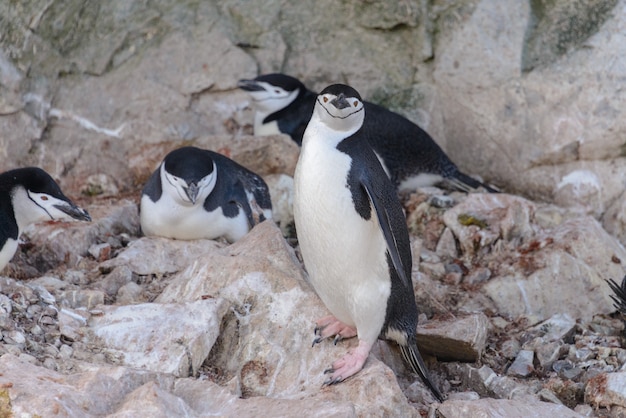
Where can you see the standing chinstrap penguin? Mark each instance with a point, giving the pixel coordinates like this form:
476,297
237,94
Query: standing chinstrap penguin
29,195
196,193
353,236
409,155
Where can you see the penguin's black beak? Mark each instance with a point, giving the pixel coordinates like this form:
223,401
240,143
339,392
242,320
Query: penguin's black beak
340,102
74,211
249,85
192,192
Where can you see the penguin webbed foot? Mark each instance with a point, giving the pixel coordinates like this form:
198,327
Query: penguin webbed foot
331,381
329,326
317,340
348,365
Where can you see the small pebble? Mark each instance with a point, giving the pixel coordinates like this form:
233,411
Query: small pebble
65,351
28,358
47,320
50,364
14,337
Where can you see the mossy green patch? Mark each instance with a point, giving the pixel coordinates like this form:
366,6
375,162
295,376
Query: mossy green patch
467,220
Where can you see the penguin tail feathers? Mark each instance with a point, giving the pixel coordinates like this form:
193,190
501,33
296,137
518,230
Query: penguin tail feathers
413,357
619,299
465,183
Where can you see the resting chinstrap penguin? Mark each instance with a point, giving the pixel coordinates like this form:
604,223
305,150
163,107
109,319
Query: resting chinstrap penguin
29,195
353,236
196,193
409,155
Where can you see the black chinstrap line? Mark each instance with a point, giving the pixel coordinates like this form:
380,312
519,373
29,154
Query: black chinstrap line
44,209
339,117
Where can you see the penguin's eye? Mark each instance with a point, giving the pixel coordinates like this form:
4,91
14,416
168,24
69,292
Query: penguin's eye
325,99
277,91
356,103
44,197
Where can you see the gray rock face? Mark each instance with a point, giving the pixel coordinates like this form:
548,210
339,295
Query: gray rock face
527,95
557,279
504,408
173,321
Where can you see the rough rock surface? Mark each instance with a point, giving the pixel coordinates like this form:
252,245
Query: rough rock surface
527,95
504,408
162,323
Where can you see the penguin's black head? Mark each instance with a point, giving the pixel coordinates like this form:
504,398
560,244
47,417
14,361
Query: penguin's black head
337,89
37,196
33,179
266,81
190,173
272,93
340,107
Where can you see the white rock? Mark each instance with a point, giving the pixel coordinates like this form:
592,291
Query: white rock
503,408
569,277
281,191
558,327
170,338
607,389
523,364
156,255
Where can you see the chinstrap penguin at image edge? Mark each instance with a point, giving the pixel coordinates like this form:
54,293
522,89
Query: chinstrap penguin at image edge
29,195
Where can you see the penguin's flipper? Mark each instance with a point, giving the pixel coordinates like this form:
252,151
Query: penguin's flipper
153,188
240,198
397,243
413,357
231,199
259,190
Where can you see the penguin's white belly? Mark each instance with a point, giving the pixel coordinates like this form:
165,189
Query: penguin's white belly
419,180
168,219
263,129
343,253
7,252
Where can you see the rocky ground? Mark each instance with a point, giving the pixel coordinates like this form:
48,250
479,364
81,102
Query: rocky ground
517,318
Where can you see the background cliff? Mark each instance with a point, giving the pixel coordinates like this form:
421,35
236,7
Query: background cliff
529,95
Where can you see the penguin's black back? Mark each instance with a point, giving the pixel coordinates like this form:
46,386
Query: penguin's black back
392,135
405,148
401,307
389,133
233,180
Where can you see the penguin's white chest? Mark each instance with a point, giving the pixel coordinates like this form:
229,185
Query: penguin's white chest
7,252
167,218
264,129
344,254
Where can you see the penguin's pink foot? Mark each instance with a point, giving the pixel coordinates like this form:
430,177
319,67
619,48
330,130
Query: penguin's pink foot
328,326
348,365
